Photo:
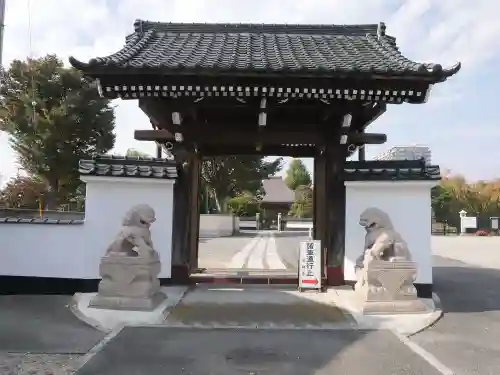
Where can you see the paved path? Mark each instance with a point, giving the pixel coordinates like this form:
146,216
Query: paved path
158,351
478,251
265,250
244,306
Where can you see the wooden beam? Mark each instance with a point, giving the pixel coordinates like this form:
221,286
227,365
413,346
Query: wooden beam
296,151
156,110
368,138
265,137
160,135
230,137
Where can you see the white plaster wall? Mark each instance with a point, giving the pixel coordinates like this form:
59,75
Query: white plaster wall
408,203
299,225
217,225
245,224
74,251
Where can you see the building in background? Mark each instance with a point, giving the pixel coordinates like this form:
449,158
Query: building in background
406,153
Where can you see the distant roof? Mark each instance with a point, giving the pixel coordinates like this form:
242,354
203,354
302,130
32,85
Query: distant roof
293,50
276,191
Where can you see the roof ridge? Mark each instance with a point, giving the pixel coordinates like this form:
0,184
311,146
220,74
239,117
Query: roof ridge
141,26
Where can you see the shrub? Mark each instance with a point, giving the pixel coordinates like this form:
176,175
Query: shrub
482,233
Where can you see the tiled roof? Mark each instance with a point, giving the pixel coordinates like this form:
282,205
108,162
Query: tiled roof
276,191
397,170
15,220
295,50
129,166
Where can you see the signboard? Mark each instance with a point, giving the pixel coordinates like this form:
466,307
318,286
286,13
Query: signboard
469,222
310,265
494,223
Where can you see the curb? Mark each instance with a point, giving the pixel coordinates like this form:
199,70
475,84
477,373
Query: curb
357,317
439,314
73,307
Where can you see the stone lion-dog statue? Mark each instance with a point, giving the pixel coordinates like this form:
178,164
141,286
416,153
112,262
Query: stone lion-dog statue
382,242
134,238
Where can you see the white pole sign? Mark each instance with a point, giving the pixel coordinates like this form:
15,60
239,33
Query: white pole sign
310,265
494,223
469,222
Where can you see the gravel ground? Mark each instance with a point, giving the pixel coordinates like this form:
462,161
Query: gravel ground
39,364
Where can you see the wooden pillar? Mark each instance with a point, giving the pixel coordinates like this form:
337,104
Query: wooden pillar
319,210
194,209
335,154
180,229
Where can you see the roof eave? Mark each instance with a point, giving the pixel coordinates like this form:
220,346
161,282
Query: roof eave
113,71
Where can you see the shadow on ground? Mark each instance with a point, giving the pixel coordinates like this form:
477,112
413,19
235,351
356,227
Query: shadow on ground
465,288
43,324
156,351
226,330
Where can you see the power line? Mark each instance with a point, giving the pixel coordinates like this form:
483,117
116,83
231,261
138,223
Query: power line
2,27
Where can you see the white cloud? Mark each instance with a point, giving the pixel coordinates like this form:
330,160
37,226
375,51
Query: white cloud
443,30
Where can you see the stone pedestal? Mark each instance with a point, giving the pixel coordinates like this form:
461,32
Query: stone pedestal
389,289
129,283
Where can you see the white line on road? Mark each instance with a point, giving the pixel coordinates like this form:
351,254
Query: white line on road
430,358
256,259
273,259
240,258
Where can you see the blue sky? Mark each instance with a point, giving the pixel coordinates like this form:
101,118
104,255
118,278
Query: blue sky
459,123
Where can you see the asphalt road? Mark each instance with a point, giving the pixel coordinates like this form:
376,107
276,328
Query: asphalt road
157,351
466,339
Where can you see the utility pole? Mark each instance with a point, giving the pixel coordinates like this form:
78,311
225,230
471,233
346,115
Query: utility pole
2,27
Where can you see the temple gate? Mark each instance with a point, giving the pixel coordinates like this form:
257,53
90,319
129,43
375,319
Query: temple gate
284,90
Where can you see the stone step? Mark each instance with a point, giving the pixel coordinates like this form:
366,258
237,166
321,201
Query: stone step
257,307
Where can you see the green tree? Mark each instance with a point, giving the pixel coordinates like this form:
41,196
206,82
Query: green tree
22,192
227,177
54,116
302,207
297,175
244,205
442,199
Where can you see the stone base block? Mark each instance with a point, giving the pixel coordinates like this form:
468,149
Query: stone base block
129,283
415,306
128,303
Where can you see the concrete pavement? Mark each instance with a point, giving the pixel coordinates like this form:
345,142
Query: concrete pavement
478,251
252,250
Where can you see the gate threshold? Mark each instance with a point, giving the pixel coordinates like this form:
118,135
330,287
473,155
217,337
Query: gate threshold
247,276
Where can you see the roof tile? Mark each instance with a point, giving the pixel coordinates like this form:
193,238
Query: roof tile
129,166
321,50
391,170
